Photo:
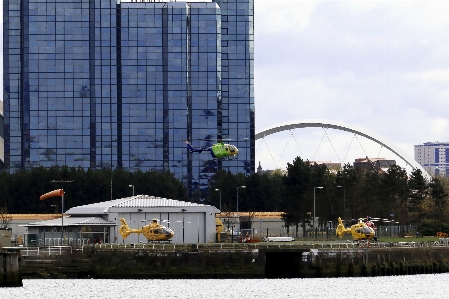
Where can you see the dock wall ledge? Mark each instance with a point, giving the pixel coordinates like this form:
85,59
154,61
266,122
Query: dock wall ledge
227,260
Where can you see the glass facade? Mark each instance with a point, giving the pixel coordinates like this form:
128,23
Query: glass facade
98,84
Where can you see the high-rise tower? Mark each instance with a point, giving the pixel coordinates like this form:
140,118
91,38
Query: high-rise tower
101,83
433,157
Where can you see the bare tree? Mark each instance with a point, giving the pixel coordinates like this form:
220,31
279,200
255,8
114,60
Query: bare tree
229,220
5,218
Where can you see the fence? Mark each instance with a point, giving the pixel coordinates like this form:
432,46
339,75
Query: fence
322,233
36,250
65,241
59,250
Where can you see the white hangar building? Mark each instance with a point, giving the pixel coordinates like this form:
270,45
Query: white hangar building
190,222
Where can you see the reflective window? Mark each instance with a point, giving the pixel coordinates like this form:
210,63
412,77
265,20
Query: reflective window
153,89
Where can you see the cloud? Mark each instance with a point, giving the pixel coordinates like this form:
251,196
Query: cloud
381,65
280,16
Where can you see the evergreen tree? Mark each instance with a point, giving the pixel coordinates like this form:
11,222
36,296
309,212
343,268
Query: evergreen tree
418,191
439,196
395,192
298,201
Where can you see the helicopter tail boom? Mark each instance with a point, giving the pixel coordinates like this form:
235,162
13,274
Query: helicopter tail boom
196,149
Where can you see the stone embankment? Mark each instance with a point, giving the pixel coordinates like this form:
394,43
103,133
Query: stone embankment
228,260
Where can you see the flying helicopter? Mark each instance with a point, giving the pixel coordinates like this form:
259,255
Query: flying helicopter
153,231
360,231
218,150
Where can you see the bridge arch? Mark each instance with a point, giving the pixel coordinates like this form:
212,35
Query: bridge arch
347,128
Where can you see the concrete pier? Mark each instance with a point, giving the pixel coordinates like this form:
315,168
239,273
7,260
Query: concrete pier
10,269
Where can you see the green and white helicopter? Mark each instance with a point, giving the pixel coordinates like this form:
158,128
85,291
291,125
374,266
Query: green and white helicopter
218,150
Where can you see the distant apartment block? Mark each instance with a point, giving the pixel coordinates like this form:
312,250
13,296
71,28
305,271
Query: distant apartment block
381,164
433,157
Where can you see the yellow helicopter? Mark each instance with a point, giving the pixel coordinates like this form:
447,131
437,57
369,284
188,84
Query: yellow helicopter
154,232
361,231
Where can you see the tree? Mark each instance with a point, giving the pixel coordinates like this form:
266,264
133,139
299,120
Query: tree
395,192
264,192
439,197
21,190
229,219
370,194
298,196
352,179
5,218
418,192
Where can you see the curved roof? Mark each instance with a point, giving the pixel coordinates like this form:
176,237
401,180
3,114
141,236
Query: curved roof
73,221
347,128
138,201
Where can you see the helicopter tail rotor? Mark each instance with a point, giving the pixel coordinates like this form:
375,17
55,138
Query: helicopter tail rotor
340,228
191,149
124,229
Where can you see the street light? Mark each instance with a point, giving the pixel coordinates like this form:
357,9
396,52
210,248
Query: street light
314,205
243,187
62,205
220,198
132,187
344,201
183,210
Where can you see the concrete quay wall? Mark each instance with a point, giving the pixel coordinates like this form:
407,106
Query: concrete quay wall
236,261
357,262
10,269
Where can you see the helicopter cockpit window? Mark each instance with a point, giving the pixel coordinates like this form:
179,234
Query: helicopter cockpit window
366,230
167,231
232,148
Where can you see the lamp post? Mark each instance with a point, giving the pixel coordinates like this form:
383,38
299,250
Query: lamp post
132,187
62,205
391,220
243,187
220,198
344,201
183,211
314,188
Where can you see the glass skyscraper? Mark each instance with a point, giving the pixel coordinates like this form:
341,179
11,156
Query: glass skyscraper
104,84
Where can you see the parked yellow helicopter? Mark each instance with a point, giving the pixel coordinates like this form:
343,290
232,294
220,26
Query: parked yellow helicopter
153,231
360,231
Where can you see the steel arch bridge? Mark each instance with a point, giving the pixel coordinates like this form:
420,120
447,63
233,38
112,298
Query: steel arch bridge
347,128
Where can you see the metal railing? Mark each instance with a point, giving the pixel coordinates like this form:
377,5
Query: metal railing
64,242
59,250
37,250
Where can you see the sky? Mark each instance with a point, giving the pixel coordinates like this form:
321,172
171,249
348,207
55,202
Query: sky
382,66
379,65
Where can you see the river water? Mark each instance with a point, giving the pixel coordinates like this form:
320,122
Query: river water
408,287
